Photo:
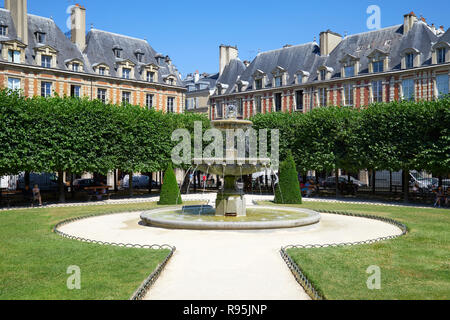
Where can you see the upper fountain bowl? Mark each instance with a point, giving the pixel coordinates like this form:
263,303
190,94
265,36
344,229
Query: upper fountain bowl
236,167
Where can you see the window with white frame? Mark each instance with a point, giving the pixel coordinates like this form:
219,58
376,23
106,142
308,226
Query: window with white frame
348,94
46,61
323,99
278,102
13,84
46,89
409,60
101,95
117,52
349,71
258,104
126,73
278,81
102,71
219,111
323,75
150,76
258,84
408,89
3,31
299,100
40,37
442,85
441,53
126,97
378,66
377,91
170,104
14,56
149,100
75,66
240,107
75,91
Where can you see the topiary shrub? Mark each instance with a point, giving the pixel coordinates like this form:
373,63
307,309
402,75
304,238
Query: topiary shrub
170,193
288,189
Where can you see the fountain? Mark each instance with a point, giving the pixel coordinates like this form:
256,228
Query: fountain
230,212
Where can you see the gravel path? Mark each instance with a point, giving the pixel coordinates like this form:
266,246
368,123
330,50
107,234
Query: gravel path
228,265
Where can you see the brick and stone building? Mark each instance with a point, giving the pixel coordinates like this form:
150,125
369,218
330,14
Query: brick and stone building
39,59
407,61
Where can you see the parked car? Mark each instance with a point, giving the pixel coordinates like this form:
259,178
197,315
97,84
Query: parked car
139,182
330,182
81,184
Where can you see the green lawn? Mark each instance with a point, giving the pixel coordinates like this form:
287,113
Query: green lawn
34,260
416,266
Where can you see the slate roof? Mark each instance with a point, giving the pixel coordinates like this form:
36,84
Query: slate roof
99,47
231,73
306,57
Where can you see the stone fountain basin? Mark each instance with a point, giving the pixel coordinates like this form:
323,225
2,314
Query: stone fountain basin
236,167
172,218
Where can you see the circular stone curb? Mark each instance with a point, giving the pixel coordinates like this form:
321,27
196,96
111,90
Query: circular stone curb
312,218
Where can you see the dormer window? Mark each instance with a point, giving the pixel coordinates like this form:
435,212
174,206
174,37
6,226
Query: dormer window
441,55
258,84
349,71
14,56
126,73
409,61
102,71
378,61
278,82
46,61
117,52
324,73
139,56
75,66
40,37
150,76
302,76
3,31
377,66
279,77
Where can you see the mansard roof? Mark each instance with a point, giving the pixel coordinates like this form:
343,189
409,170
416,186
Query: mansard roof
231,74
306,57
99,47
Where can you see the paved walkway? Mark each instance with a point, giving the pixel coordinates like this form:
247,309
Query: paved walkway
228,265
211,197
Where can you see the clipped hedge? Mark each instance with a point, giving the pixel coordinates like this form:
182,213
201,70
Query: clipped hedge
288,189
170,192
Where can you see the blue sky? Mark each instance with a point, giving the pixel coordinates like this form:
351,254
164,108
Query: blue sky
191,31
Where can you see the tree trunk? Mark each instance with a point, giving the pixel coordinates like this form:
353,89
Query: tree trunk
62,191
336,172
374,181
150,179
130,184
405,175
27,179
390,181
115,181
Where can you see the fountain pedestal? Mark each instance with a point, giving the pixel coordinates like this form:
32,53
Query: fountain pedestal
230,202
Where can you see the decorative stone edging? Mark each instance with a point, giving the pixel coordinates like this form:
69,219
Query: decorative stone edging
298,272
145,286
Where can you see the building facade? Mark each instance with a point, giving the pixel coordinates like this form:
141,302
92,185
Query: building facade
199,87
409,61
39,59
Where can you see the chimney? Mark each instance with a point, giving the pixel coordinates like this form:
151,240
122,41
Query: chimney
329,40
246,63
78,26
18,9
442,28
196,76
409,20
227,53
